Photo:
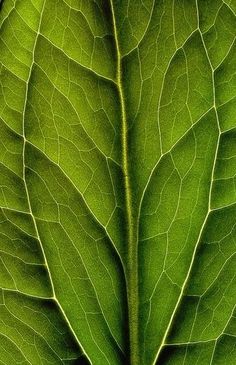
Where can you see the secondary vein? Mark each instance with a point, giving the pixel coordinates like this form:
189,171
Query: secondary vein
185,283
132,252
26,187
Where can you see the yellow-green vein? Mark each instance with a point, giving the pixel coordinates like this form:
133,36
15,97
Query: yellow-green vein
132,249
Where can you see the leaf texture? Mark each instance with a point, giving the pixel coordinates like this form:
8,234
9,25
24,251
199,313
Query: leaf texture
117,182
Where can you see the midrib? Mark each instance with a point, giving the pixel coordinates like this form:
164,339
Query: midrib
132,252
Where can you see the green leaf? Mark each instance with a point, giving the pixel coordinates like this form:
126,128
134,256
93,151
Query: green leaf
117,182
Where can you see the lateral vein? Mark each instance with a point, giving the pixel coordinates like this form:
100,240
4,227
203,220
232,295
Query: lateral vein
27,191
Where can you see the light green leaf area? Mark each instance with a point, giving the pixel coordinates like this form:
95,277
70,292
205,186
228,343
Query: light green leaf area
118,182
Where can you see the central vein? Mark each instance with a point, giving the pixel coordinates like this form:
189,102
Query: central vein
132,256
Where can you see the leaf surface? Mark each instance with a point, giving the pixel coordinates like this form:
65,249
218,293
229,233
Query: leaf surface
117,182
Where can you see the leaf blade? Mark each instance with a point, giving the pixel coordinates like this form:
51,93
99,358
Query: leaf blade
127,185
